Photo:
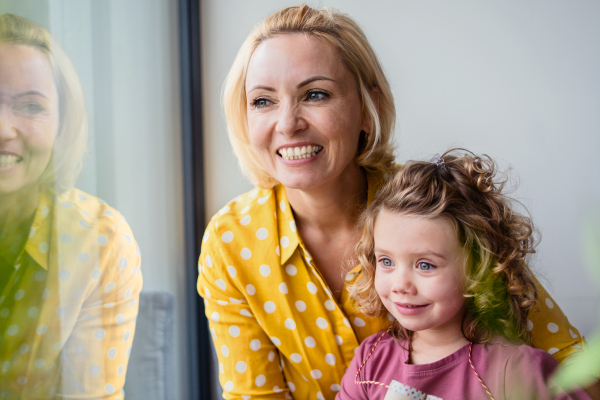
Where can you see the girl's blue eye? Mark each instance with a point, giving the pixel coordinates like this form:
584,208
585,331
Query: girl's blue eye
386,262
423,266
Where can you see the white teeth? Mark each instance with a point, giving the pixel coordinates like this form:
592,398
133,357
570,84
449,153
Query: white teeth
297,153
7,160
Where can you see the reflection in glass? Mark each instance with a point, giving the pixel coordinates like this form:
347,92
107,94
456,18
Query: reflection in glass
69,265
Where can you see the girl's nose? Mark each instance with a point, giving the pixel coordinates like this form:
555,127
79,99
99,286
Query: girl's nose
403,283
289,121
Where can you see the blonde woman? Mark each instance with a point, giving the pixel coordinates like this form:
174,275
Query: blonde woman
310,117
69,266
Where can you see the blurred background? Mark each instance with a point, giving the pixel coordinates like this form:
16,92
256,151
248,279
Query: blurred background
516,80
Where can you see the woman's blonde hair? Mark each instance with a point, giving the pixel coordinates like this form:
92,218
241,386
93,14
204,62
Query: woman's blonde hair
375,152
70,144
462,189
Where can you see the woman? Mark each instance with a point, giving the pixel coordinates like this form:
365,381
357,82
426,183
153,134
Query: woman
310,117
69,266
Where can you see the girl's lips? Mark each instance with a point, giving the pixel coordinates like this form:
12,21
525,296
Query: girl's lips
410,309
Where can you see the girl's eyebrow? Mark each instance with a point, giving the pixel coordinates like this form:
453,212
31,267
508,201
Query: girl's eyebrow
417,253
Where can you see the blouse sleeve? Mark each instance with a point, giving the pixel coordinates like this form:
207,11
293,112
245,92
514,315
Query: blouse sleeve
551,329
96,354
249,364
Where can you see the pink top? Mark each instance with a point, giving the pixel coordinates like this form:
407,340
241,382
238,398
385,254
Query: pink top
510,371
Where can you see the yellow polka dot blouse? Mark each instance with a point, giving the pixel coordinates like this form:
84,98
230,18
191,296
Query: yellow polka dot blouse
68,303
277,329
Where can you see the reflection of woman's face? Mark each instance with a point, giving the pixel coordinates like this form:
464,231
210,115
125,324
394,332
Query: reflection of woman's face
304,111
28,116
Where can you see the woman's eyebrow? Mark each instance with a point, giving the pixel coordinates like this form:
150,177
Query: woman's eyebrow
28,93
314,78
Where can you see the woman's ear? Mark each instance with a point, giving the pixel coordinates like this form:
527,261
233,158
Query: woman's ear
375,95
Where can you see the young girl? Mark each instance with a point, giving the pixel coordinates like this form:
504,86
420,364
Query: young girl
444,253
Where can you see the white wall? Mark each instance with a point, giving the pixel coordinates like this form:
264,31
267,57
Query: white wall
516,80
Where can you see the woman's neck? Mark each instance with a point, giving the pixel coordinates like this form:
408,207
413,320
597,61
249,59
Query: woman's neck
331,205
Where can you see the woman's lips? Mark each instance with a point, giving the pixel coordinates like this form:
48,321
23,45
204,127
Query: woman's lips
410,309
299,152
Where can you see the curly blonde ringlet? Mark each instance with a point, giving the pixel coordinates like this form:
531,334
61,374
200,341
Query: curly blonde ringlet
464,190
376,150
70,143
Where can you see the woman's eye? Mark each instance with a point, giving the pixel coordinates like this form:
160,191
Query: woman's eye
423,266
386,262
316,96
31,108
261,103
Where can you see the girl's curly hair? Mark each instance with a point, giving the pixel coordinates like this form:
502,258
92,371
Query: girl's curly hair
464,190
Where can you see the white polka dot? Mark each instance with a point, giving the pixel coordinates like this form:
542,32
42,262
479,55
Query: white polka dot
120,319
32,312
20,294
245,220
222,302
316,374
260,381
241,367
110,286
24,348
127,237
291,270
234,331
295,357
263,200
96,274
44,247
269,307
250,289
120,370
84,224
220,283
262,233
529,325
291,386
109,389
245,312
275,341
32,231
293,225
553,350
224,210
310,342
22,380
127,294
339,340
214,316
100,334
320,396
102,240
322,323
41,329
330,305
265,270
311,287
94,370
227,237
5,366
126,336
552,327
330,359
45,211
232,271
64,275
335,387
209,261
283,288
549,303
61,311
573,334
253,193
65,238
245,210
255,345
225,350
277,251
84,257
282,205
359,322
346,322
40,276
300,306
246,253
290,324
284,241
5,313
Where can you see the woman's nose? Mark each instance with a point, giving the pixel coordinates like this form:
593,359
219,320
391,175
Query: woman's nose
290,121
7,128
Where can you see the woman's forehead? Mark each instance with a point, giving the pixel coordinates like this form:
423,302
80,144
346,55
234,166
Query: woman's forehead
25,69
